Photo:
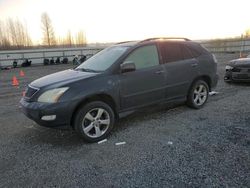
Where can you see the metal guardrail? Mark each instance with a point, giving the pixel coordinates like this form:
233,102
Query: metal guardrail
37,55
239,45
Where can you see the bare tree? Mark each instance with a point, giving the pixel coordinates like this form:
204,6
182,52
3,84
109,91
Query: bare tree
59,41
4,36
17,33
80,38
1,33
28,41
48,31
247,33
12,32
69,40
4,40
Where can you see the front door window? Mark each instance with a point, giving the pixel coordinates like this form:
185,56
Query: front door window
144,57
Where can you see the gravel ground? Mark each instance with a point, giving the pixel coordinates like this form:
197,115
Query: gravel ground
165,147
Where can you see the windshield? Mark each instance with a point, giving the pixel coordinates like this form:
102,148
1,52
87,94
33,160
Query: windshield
103,60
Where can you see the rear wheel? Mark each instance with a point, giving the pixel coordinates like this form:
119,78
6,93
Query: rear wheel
198,94
94,121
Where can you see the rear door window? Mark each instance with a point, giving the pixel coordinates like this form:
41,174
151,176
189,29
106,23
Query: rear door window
172,52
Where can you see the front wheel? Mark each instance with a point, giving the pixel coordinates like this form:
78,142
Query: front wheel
94,121
198,94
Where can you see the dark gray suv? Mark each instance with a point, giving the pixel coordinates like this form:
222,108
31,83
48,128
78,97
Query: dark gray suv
119,80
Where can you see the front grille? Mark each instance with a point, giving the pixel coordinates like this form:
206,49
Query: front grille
242,76
236,69
30,91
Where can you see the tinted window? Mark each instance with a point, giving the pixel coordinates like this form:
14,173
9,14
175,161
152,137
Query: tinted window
187,53
197,49
172,52
144,57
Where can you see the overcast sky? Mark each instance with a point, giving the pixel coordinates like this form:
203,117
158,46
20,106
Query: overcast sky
118,20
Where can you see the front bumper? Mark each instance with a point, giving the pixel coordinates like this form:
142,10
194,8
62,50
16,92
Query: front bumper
237,76
36,110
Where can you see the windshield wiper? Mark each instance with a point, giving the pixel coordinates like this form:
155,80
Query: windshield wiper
86,70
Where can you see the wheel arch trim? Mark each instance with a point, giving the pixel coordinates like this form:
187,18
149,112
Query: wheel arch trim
103,97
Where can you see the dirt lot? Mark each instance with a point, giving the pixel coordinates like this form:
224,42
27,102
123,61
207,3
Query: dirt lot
178,147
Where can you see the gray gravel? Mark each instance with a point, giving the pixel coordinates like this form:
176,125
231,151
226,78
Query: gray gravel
165,147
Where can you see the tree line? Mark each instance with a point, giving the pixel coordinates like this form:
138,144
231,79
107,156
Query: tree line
14,34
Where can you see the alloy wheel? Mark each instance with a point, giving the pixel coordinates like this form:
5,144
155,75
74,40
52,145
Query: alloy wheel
200,95
96,122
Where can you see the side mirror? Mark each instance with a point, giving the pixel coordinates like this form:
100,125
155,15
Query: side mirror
127,66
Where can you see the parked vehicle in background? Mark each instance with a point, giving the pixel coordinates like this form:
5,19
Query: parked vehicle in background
26,63
119,80
83,58
58,60
75,60
46,61
238,70
65,60
52,62
79,59
14,64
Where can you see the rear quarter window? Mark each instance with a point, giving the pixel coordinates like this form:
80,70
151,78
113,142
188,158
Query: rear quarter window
181,51
187,53
197,49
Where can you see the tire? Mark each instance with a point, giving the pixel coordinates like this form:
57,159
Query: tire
94,121
198,94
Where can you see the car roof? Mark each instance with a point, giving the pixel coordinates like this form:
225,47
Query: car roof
176,40
154,40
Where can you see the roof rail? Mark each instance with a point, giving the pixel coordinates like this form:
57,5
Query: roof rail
166,38
126,42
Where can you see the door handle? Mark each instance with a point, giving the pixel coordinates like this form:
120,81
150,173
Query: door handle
194,64
159,72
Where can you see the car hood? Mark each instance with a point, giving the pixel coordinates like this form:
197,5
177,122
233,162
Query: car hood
62,77
242,62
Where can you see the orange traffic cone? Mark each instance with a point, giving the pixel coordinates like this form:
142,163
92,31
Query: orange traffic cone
15,81
21,73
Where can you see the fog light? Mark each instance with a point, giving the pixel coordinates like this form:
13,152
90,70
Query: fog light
49,118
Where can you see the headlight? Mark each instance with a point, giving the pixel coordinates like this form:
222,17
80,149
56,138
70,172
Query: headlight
53,95
228,67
